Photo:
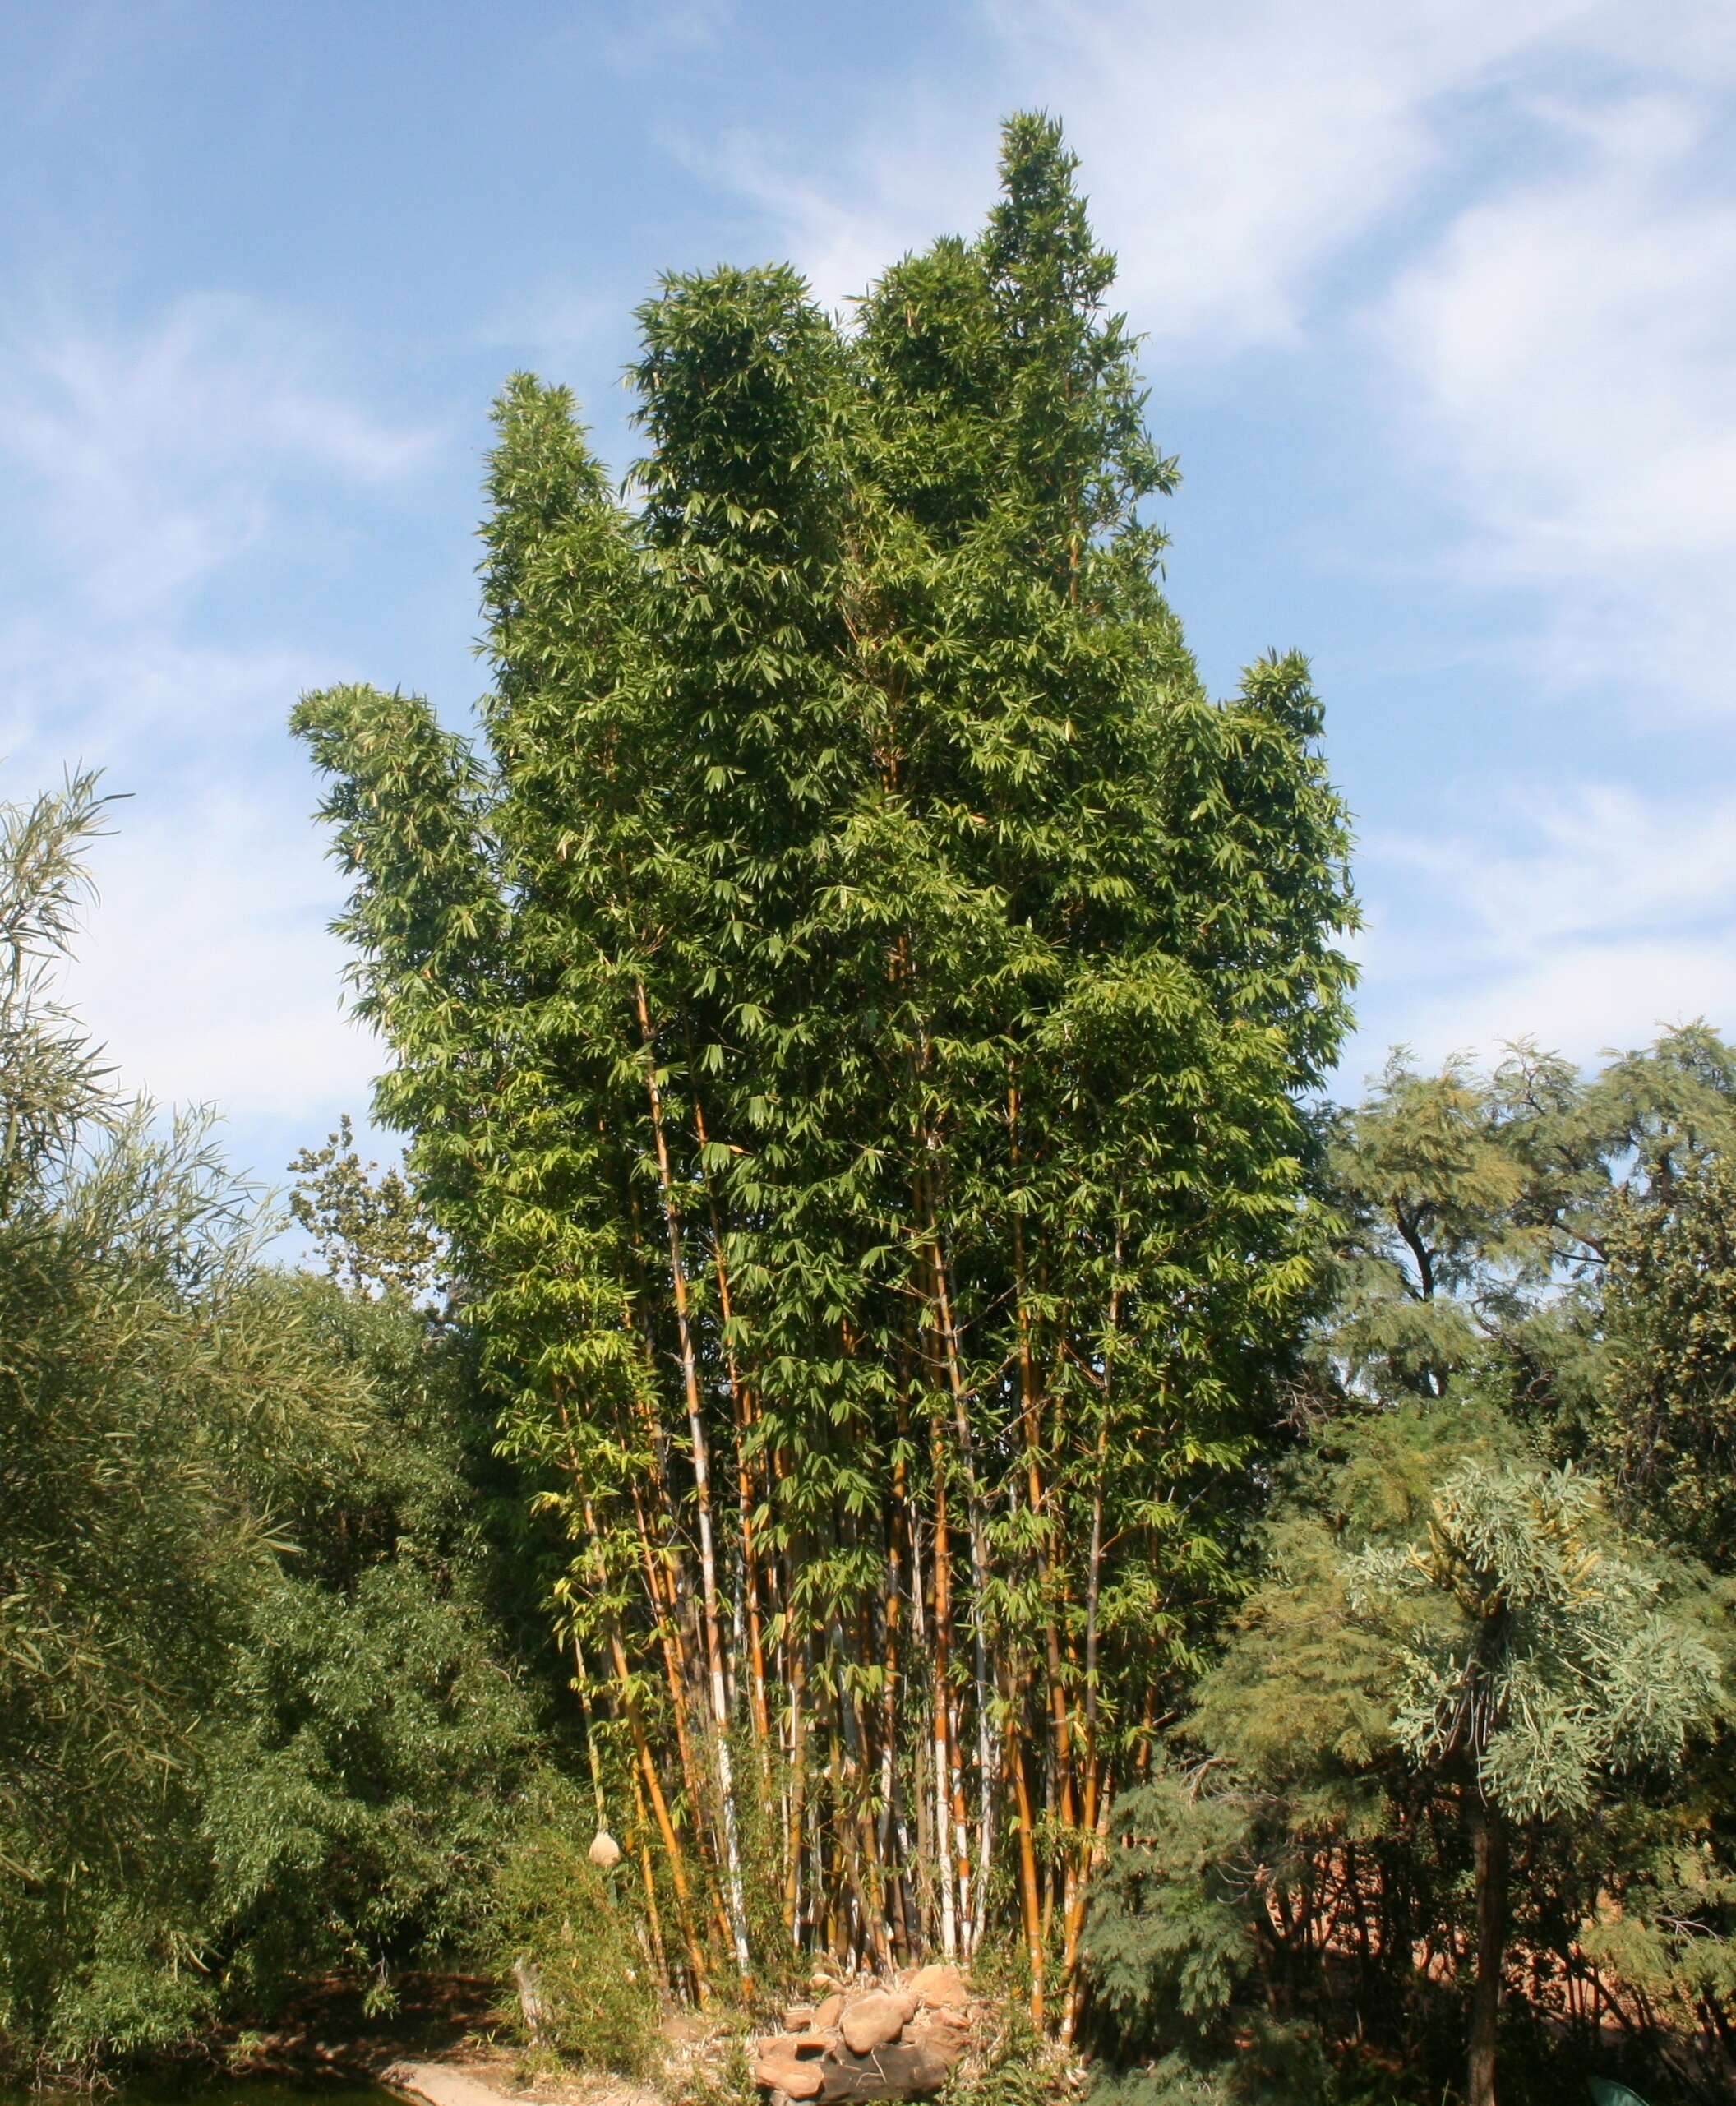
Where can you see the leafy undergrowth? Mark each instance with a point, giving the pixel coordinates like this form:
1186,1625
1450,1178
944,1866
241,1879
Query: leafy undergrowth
560,1919
1016,2065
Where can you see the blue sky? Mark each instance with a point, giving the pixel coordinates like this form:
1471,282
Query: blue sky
1440,302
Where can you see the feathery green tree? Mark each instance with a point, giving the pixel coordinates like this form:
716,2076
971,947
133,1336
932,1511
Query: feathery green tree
1437,1720
1446,1723
1666,1421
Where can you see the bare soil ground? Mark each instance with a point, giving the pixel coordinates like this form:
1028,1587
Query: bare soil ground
450,2023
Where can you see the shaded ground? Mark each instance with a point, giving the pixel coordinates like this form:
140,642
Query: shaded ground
450,2023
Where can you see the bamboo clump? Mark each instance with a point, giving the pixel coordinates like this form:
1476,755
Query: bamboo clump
850,1014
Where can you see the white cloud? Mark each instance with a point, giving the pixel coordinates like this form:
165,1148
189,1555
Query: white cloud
1585,917
206,966
1234,152
1565,370
118,697
152,456
556,319
1581,1001
1595,857
144,465
1559,348
1231,153
648,32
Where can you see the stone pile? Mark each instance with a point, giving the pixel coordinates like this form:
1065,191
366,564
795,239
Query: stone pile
898,2040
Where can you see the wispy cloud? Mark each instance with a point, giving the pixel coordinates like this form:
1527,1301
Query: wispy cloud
1564,369
1584,915
1591,857
630,39
145,691
1233,153
1581,1002
556,319
151,457
206,966
144,463
1522,204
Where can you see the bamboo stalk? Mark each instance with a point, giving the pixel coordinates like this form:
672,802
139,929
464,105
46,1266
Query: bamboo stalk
942,1561
1075,1916
890,1824
961,1833
638,1846
581,1684
742,1410
665,1625
702,1497
971,1925
666,1827
798,1791
1095,1821
1058,1781
1029,1901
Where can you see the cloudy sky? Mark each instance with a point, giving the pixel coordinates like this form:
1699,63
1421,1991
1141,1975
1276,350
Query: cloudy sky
1440,310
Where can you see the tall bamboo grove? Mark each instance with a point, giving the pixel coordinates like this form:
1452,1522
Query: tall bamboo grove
852,1010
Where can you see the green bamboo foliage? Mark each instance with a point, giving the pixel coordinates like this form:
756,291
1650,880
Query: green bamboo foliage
853,1016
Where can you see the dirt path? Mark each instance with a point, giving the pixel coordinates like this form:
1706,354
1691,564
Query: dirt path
489,2080
440,2047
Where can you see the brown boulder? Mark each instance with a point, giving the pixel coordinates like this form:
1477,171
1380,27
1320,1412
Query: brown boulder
792,2045
800,2077
941,2036
940,1987
826,2011
876,2019
901,2070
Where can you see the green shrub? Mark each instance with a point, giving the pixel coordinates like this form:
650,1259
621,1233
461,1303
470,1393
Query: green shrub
1020,2066
571,1925
1265,2063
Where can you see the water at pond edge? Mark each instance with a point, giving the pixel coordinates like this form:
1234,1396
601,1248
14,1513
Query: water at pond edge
218,2091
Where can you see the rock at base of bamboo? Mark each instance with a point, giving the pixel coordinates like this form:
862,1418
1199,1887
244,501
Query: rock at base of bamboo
876,2019
898,2039
904,2069
940,1987
797,2077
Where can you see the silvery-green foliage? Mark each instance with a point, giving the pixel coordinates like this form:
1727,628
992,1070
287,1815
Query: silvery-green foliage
1444,1633
1556,1661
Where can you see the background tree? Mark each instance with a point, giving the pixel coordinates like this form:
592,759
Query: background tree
368,1230
1446,1723
1480,1213
1529,1276
1666,1421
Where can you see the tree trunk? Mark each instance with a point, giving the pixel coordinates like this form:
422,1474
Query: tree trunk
1491,1848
